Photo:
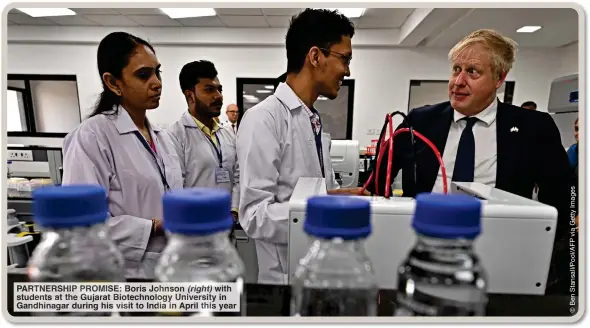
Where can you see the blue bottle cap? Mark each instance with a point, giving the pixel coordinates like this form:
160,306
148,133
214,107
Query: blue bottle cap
447,216
70,206
197,211
343,217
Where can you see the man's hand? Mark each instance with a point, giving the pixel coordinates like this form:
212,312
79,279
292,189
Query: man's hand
157,224
158,227
349,191
234,214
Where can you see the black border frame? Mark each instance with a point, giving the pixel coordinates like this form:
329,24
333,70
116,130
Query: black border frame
240,81
30,112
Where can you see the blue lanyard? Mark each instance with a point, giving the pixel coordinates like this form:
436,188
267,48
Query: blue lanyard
217,150
149,149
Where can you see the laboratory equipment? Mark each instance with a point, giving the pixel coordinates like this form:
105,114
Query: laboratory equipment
335,277
246,247
442,275
345,162
515,245
17,244
75,245
563,106
35,162
31,167
199,249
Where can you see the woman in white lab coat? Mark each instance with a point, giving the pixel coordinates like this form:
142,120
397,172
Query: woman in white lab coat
118,148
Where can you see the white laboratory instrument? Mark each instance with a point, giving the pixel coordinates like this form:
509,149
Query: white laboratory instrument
18,250
563,106
515,244
345,162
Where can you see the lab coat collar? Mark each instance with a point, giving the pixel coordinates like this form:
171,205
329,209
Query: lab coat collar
188,121
154,127
287,96
124,123
488,115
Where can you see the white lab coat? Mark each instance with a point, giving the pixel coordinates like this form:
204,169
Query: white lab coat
104,150
276,146
228,125
198,159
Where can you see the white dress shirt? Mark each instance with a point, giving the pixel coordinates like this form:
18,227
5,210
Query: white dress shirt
484,132
231,126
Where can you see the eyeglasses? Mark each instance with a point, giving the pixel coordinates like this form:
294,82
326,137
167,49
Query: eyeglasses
345,59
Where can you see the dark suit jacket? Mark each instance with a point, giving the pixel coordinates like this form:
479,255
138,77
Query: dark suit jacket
533,155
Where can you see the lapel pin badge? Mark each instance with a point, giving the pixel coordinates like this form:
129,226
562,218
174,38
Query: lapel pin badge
514,129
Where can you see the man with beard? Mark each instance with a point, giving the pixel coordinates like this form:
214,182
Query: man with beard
207,152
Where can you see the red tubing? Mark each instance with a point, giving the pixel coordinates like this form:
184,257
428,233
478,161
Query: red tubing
389,163
375,173
436,153
380,156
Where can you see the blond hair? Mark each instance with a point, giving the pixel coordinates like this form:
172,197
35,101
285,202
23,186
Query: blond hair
502,49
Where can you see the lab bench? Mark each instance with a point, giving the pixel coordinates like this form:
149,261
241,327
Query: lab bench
273,301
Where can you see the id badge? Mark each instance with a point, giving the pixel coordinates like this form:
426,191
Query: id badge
221,175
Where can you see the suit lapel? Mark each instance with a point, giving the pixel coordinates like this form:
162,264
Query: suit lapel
436,129
504,146
439,137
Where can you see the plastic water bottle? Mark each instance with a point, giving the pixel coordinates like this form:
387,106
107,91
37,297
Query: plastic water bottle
336,278
442,275
74,246
199,249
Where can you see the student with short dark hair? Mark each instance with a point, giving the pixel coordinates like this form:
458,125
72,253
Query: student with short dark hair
281,139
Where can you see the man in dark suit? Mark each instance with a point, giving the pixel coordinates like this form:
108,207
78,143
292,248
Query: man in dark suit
484,140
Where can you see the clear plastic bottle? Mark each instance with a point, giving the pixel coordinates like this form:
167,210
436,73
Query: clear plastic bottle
442,275
199,250
336,278
74,246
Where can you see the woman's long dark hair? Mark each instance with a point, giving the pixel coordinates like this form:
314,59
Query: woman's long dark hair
113,55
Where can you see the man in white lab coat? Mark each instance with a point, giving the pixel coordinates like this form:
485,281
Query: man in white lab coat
281,139
207,152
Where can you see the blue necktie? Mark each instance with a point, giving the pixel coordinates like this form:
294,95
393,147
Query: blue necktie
465,161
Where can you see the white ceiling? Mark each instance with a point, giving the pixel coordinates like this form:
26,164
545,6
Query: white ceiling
559,26
441,27
226,17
